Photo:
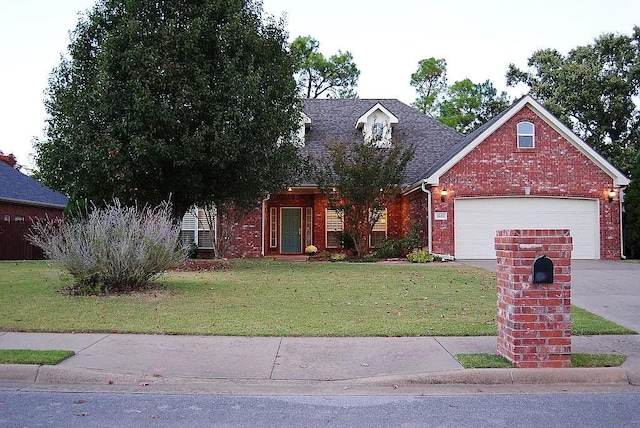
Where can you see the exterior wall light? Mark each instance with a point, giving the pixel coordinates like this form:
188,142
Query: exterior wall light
443,194
612,194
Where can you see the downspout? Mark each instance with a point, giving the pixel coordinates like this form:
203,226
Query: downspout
263,220
620,200
429,231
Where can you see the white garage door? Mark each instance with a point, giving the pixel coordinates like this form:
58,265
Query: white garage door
476,222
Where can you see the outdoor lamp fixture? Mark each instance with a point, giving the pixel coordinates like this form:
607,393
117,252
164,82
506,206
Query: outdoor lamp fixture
612,194
443,194
289,189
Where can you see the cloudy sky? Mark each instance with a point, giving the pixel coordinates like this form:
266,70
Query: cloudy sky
478,39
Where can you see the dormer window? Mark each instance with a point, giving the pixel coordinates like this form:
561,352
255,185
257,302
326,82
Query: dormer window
376,125
377,131
526,135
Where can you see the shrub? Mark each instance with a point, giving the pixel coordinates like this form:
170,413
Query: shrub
420,256
111,249
338,257
398,247
390,248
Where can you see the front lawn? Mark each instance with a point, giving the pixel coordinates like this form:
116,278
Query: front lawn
271,298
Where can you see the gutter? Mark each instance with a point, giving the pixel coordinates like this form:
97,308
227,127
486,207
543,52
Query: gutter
620,199
429,225
263,220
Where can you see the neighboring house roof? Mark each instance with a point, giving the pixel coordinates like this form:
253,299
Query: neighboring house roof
433,173
20,188
335,120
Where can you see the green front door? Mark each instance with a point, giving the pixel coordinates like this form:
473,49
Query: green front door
291,232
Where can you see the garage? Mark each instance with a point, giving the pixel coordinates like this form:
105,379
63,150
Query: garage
477,219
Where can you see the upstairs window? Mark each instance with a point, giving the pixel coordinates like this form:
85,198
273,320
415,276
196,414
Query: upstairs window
526,135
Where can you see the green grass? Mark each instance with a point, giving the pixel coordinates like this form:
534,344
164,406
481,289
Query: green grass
492,361
270,298
597,360
483,361
585,323
27,356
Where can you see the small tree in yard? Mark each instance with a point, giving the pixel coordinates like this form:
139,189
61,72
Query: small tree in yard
359,179
111,249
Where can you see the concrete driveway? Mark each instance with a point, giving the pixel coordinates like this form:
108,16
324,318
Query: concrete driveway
609,288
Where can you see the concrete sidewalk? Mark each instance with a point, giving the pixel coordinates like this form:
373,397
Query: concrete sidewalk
286,364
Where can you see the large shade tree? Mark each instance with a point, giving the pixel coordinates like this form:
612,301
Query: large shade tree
186,100
430,82
468,105
464,105
319,76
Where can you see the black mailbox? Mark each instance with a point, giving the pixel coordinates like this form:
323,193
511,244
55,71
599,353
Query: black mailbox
542,270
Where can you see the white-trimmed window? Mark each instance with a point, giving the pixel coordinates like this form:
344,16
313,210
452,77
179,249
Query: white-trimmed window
308,227
189,228
526,135
195,228
205,240
379,232
334,226
273,227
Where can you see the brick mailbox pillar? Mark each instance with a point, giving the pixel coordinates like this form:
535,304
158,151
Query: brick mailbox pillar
534,319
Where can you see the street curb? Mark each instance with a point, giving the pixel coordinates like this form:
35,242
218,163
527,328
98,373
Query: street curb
19,372
52,375
541,376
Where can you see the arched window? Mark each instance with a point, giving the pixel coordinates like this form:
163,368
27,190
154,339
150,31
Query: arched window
526,135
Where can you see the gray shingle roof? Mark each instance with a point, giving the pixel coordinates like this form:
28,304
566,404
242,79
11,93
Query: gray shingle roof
335,119
17,187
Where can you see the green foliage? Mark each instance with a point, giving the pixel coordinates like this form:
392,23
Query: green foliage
492,361
464,105
592,89
188,101
390,248
29,356
399,247
468,105
631,216
359,179
111,249
483,361
338,257
597,360
420,256
333,77
430,81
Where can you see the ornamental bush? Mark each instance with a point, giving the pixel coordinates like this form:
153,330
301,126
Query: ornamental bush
111,249
420,256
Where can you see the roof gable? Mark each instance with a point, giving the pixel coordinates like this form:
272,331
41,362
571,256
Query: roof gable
362,120
20,188
459,151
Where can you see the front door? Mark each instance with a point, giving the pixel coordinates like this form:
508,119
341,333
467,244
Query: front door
291,232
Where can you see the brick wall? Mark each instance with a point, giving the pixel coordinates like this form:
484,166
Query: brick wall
534,320
496,167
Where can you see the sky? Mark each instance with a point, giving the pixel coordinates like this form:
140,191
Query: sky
477,38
